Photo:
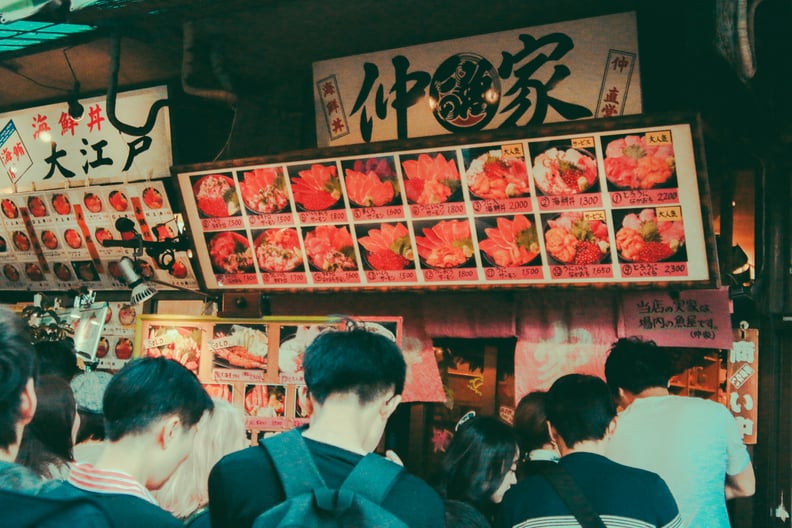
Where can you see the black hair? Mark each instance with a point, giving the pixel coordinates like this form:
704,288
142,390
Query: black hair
47,439
148,389
530,422
634,364
358,361
91,426
17,366
477,460
57,358
580,407
460,514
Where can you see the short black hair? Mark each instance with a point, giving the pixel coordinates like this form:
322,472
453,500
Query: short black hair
57,358
530,422
358,361
580,407
477,460
148,389
460,514
17,366
634,364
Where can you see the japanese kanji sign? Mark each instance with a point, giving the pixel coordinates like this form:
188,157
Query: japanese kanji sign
556,72
742,382
45,148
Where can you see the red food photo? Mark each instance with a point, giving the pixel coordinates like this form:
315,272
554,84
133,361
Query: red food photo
11,272
62,271
73,238
101,234
645,238
118,201
278,250
317,188
215,196
124,348
330,248
430,180
571,239
633,162
368,189
388,248
33,271
92,202
49,239
264,190
102,347
36,206
114,269
127,315
512,243
447,244
61,204
230,253
491,177
563,172
10,210
178,270
153,198
21,241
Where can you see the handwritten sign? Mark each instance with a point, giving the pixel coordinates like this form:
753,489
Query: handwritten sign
694,318
742,382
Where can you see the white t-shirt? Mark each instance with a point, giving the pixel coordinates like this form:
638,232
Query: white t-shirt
691,443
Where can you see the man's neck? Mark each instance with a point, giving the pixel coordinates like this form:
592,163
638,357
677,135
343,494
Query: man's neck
596,447
124,456
653,391
341,422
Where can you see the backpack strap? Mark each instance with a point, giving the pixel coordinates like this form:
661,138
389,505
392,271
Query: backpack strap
373,477
572,496
288,452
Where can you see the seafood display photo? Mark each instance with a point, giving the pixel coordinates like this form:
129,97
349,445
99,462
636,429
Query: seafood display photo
643,237
509,243
230,253
492,176
446,244
570,238
431,179
639,162
560,170
278,250
264,190
330,248
240,346
180,343
215,196
371,182
387,247
316,187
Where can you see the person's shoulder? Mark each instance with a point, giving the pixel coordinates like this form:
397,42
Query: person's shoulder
17,477
633,476
243,459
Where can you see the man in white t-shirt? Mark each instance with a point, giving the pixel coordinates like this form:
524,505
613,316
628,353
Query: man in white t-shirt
692,443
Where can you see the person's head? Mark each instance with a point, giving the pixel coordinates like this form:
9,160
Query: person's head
48,439
155,401
359,367
17,376
463,515
89,389
634,365
57,358
218,433
579,408
480,463
530,422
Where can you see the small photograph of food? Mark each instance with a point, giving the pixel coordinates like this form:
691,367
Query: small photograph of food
265,401
101,234
164,231
642,237
36,206
490,176
123,348
317,187
73,238
92,202
11,273
3,245
21,241
49,239
571,239
508,243
302,407
178,270
62,271
10,210
445,244
633,162
371,182
85,270
180,343
114,269
330,248
247,346
560,170
279,250
431,179
152,197
33,271
387,247
264,190
102,348
230,252
118,201
61,203
224,391
127,315
216,196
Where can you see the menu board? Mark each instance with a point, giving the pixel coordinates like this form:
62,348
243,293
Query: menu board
52,240
607,206
255,364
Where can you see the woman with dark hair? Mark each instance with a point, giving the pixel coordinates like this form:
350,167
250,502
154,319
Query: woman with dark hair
48,440
530,425
480,464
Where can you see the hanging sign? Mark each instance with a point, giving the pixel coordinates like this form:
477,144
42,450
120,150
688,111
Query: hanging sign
45,148
556,72
742,382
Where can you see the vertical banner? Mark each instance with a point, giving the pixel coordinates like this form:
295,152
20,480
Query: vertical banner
742,382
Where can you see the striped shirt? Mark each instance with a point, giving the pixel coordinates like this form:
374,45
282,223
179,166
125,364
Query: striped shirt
88,478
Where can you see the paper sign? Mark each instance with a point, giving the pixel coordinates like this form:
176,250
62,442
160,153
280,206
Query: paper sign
742,377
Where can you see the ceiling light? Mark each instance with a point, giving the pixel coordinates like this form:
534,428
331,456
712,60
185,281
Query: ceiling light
141,290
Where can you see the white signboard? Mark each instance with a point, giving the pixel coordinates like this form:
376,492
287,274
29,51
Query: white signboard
556,72
45,148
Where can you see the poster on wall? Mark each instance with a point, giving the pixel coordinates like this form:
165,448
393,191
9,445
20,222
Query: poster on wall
601,204
565,71
742,382
254,363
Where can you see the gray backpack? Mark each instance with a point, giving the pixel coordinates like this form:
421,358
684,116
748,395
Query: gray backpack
311,504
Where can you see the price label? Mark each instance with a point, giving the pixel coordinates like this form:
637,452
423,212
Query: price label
583,142
590,216
669,213
222,342
661,137
514,150
156,342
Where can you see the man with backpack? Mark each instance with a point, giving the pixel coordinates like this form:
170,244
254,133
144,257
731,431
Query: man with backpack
151,409
325,474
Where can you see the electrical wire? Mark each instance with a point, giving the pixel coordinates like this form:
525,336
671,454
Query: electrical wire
230,133
34,81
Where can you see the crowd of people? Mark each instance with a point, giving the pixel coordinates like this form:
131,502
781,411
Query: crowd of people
148,447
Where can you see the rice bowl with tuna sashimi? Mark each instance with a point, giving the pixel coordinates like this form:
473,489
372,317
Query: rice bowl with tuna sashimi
430,180
447,244
571,239
230,253
512,243
278,250
317,188
644,238
387,248
215,196
563,172
330,248
492,177
632,162
264,190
